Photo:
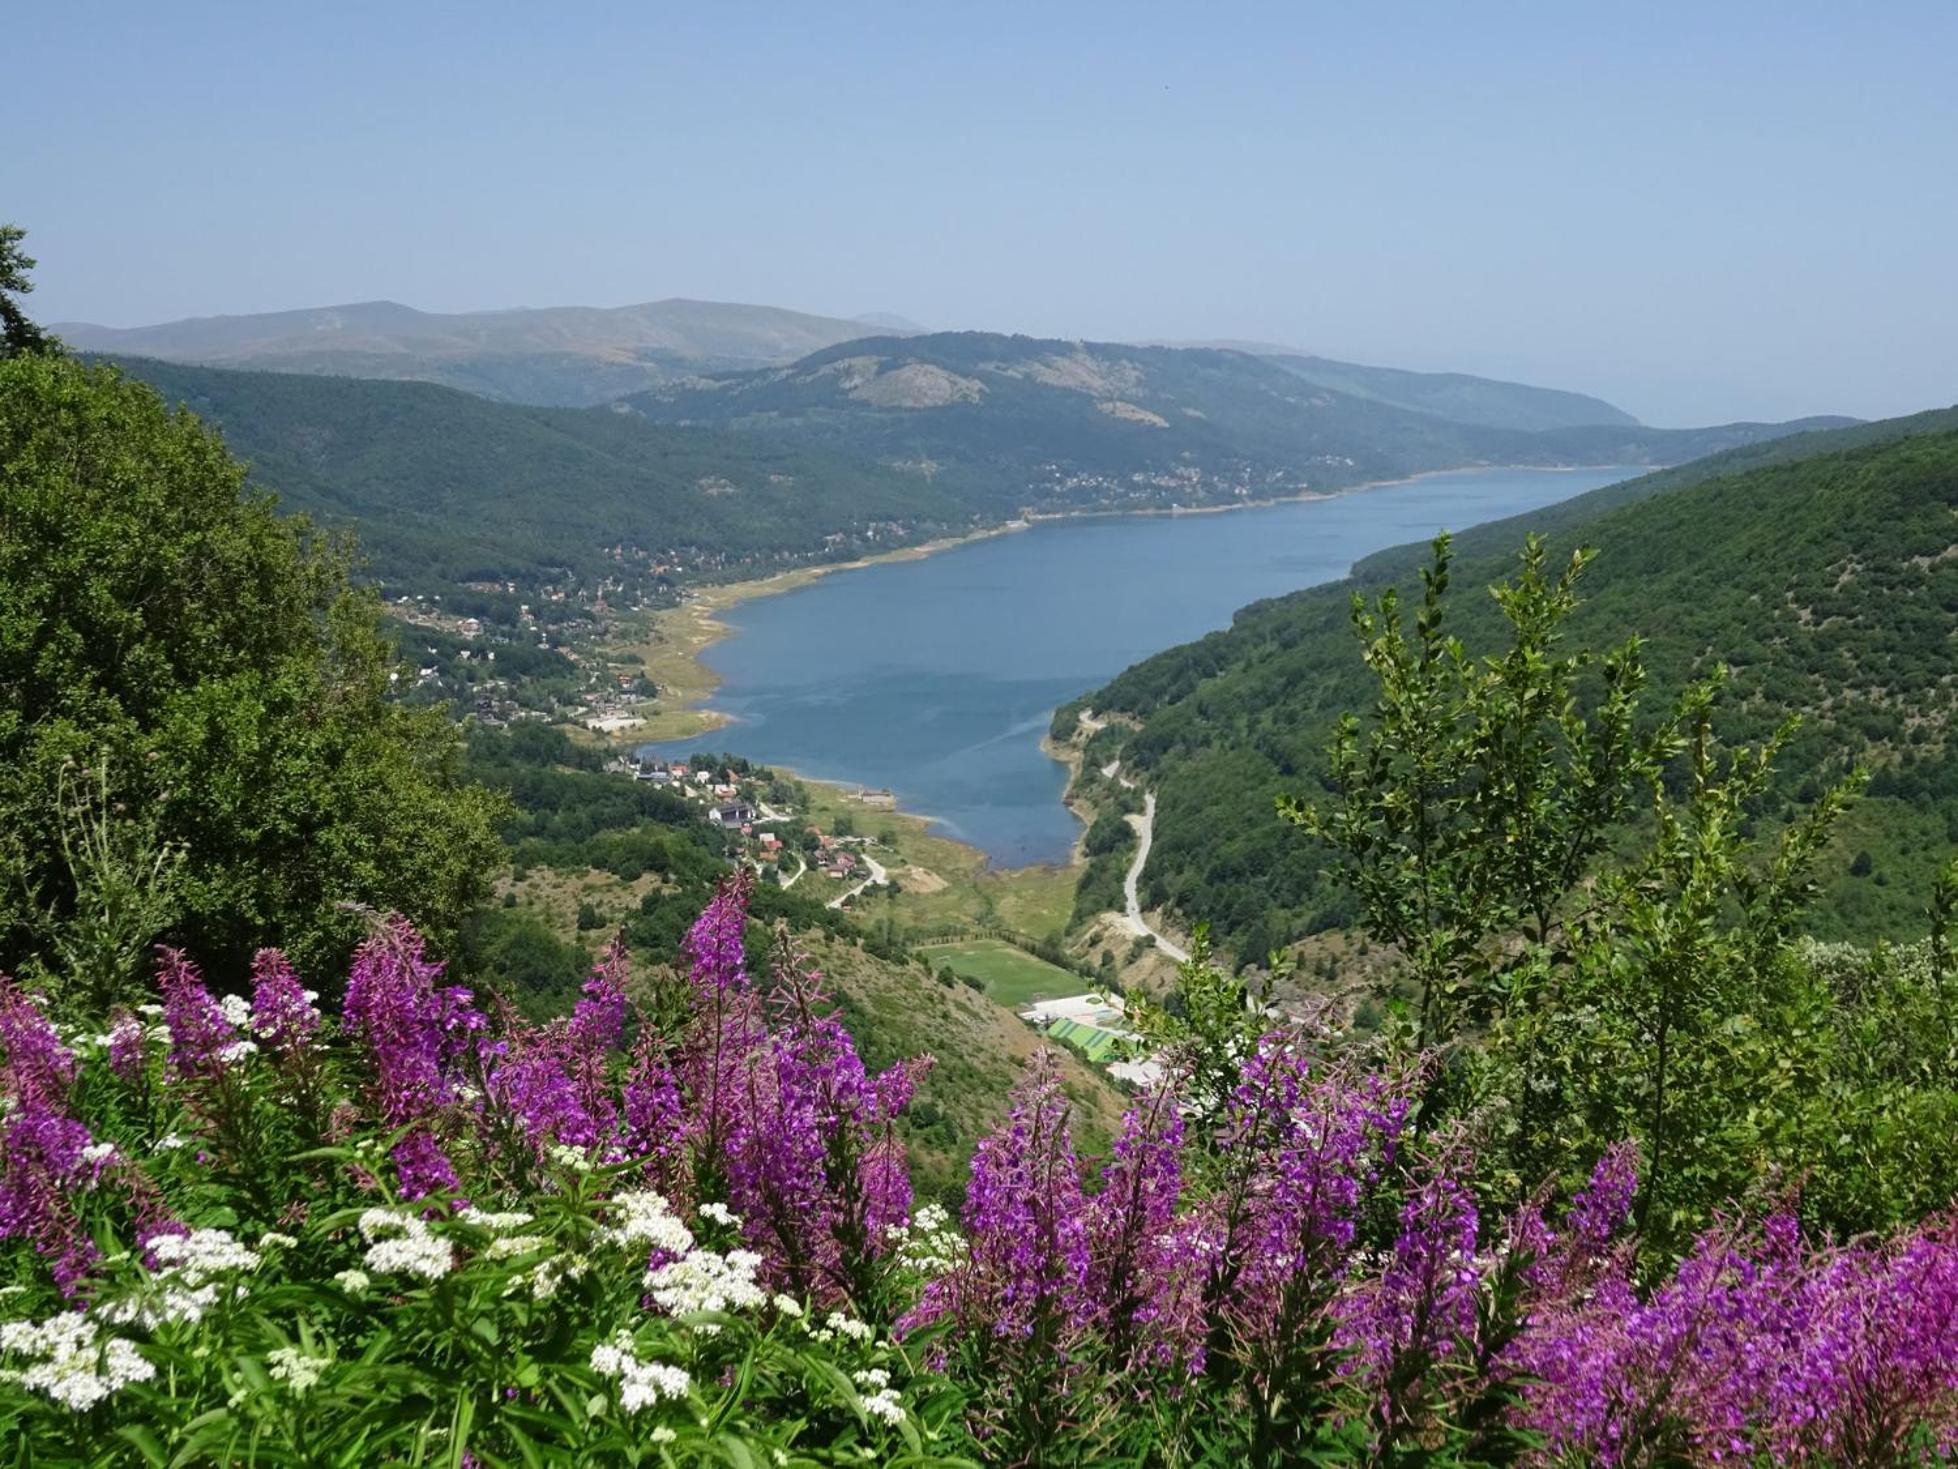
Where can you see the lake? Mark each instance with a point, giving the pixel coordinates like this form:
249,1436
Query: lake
936,677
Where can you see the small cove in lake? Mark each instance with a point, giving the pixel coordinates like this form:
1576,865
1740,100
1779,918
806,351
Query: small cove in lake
936,677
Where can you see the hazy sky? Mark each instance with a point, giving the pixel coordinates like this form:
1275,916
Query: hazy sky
1702,211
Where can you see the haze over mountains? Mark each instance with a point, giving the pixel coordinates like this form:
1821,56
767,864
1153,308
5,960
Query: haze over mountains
572,356
561,356
471,447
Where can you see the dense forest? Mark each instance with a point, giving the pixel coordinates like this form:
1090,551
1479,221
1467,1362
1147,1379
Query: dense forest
1819,570
446,487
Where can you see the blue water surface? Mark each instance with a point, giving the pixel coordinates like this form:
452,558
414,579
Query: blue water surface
937,677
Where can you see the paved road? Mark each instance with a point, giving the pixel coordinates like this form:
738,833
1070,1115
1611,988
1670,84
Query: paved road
877,874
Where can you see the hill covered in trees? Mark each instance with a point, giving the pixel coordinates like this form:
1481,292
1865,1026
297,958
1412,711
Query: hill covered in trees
1821,570
1458,396
447,487
1020,422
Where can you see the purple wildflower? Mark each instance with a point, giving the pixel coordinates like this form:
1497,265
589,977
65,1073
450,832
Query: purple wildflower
39,1068
128,1048
200,1036
46,1161
411,1029
598,1021
1027,1225
283,1014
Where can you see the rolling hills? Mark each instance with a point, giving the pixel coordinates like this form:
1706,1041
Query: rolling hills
1025,422
565,356
447,487
1821,569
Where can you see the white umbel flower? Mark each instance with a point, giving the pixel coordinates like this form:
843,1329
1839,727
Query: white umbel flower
641,1384
295,1369
71,1361
400,1244
643,1219
705,1281
194,1273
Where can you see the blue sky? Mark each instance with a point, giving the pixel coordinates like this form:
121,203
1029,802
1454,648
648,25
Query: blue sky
1701,211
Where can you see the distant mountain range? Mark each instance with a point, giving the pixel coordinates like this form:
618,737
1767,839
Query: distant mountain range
562,356
1057,424
579,356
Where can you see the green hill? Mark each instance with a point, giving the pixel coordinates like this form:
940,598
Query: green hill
1014,423
447,487
1458,396
1823,569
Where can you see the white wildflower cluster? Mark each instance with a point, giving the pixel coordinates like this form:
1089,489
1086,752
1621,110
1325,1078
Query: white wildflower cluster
237,1011
506,1244
787,1306
190,1279
353,1282
882,1401
237,1051
70,1360
509,1246
295,1369
272,1239
705,1281
170,1142
837,1324
401,1244
570,1157
720,1214
928,1244
544,1278
98,1155
641,1384
643,1218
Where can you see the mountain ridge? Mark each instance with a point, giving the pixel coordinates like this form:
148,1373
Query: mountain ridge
1111,425
553,356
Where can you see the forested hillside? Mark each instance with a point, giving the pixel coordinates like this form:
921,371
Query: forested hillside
1822,570
447,487
1458,396
1013,422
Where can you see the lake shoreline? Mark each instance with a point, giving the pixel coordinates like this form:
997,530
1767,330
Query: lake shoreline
694,626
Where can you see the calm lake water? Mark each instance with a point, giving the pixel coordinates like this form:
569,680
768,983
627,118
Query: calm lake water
936,678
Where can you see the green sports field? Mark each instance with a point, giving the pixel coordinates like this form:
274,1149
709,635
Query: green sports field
1011,976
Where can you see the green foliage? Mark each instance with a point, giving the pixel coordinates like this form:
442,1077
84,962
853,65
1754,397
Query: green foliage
1584,977
17,333
170,642
1813,569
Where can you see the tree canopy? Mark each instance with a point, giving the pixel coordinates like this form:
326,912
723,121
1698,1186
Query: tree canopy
196,738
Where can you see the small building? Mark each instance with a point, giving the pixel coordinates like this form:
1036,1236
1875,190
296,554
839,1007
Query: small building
734,813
